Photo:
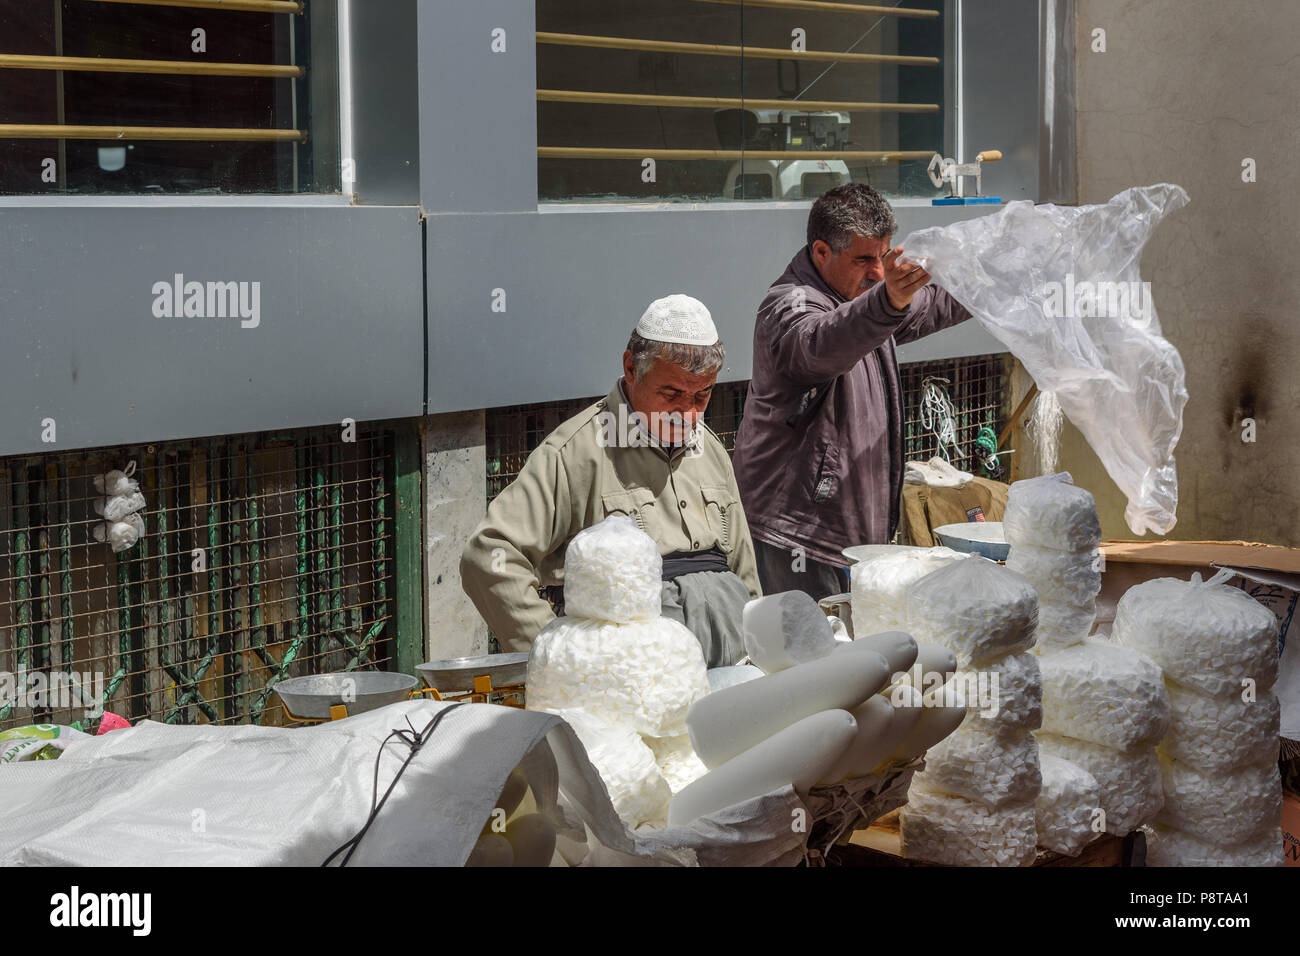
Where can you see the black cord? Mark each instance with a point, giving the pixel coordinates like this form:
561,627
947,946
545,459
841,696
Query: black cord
413,740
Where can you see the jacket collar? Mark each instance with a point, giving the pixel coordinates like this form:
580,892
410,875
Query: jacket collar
804,271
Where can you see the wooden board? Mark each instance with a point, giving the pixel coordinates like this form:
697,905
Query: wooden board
880,845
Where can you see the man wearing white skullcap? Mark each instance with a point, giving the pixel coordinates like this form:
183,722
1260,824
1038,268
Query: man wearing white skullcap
642,451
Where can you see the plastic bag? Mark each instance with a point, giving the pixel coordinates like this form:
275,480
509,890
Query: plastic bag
1119,381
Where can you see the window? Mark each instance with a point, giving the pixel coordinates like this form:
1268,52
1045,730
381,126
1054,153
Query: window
697,100
168,97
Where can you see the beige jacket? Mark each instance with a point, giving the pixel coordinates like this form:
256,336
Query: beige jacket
686,500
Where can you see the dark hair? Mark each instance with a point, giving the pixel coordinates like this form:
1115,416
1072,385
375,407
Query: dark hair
854,209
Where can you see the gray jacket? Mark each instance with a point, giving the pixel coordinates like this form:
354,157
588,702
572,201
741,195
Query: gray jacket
833,477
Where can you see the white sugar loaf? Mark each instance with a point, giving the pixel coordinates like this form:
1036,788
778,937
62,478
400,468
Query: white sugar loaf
878,586
676,760
785,629
734,719
1005,696
899,650
972,763
796,756
1104,693
1223,809
613,572
934,665
1066,806
636,786
1059,577
1204,635
952,830
1169,847
1128,781
935,723
1051,512
976,608
1064,625
644,674
883,722
720,677
1217,734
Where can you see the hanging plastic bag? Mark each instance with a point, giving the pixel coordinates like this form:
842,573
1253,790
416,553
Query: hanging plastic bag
1060,287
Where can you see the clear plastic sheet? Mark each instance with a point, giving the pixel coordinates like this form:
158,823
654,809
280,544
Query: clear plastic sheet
1031,275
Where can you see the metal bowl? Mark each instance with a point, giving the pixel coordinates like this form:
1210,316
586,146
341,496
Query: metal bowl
976,537
311,697
865,552
457,675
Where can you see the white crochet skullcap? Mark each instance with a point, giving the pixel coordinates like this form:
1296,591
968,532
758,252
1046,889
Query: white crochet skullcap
679,319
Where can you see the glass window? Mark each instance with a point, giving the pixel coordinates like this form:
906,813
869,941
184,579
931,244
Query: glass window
715,100
175,97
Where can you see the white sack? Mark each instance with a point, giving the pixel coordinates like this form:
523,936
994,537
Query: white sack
1168,847
613,572
1066,806
976,608
1115,376
1222,809
1128,780
1218,734
1106,694
878,592
959,832
972,763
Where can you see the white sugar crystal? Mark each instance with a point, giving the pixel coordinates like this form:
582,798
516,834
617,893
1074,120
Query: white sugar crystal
1128,780
972,763
782,630
1222,808
1209,637
1050,512
627,766
949,829
976,608
613,572
1066,806
1064,625
1059,577
879,586
677,760
1019,698
1218,734
1169,847
1106,694
644,675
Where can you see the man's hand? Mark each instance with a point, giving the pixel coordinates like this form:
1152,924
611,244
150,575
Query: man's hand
902,279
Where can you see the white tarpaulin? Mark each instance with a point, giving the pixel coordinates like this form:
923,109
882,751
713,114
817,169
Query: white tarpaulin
1059,286
167,795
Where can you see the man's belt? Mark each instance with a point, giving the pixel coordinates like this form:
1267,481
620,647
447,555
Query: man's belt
689,562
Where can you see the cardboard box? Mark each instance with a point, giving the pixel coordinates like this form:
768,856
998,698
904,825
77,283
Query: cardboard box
1268,573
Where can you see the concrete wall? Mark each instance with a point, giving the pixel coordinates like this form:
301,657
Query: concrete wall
1186,90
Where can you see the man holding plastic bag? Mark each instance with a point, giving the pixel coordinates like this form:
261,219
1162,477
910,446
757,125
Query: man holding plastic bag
819,456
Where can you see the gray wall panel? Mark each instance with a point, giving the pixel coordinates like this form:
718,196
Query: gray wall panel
339,333
577,281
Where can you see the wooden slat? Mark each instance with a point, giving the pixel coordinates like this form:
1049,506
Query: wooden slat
718,49
650,152
726,102
238,6
820,6
96,64
200,134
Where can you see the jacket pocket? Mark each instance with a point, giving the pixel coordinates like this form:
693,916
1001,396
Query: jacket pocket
720,504
633,502
826,484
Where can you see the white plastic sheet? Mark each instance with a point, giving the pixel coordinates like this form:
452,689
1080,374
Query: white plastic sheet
1030,275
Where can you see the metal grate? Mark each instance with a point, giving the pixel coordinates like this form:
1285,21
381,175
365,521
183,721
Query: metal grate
980,389
511,433
264,557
